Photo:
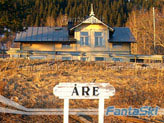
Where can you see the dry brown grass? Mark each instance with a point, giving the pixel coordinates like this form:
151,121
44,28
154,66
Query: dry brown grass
30,83
1,87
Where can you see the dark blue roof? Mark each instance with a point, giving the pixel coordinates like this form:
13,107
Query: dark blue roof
48,34
122,34
61,34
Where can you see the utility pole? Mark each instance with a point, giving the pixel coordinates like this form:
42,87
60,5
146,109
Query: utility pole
154,21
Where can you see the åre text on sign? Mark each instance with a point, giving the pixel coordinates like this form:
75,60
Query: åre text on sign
84,90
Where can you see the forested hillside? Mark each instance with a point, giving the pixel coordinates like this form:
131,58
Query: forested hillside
136,14
36,12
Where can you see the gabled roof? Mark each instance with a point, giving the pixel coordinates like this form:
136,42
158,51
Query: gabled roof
122,34
92,20
46,34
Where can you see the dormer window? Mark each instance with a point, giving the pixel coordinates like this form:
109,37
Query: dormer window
84,39
99,40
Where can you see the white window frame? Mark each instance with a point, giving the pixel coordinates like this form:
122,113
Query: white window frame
101,41
84,39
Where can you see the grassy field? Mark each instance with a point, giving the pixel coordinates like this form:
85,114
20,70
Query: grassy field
30,83
2,84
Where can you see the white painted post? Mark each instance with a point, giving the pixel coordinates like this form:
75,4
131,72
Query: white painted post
101,110
66,110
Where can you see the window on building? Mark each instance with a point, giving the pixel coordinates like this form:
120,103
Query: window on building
66,45
84,39
99,59
84,58
99,40
66,58
117,45
117,59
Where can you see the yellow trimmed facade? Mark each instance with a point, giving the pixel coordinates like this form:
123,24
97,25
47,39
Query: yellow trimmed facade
93,40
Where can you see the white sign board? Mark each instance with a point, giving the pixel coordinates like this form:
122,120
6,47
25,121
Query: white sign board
84,90
99,91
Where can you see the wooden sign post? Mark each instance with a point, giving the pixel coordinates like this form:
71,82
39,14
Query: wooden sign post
99,91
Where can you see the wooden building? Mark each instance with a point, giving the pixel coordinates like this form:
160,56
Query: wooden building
91,40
